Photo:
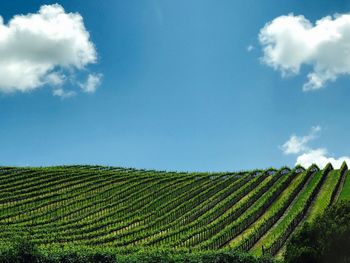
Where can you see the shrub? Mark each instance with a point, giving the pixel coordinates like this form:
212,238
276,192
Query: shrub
326,240
22,250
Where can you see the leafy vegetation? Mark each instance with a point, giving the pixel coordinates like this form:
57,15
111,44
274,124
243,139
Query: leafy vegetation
25,252
345,194
327,239
323,198
121,211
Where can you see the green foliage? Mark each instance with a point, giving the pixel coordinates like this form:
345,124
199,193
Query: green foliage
345,193
112,214
25,252
325,240
276,236
22,250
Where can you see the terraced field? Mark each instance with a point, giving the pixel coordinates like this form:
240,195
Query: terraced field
131,209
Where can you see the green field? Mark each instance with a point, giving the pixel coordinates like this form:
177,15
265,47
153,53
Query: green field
131,210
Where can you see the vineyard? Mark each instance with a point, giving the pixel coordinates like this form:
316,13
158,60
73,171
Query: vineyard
130,209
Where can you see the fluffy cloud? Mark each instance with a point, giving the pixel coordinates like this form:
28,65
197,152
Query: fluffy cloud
92,83
297,144
291,41
320,157
36,48
63,94
307,155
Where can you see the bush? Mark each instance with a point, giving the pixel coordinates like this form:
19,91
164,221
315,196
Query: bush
23,250
326,240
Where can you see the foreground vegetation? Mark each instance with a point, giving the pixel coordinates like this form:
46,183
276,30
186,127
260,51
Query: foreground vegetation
25,252
108,211
325,240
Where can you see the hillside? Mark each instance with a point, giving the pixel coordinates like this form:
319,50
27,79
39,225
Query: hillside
126,208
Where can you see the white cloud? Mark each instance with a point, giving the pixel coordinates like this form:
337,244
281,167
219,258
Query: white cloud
55,79
319,157
292,41
35,48
63,94
92,83
297,144
307,155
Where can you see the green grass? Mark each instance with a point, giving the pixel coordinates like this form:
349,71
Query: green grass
323,198
269,212
345,193
279,228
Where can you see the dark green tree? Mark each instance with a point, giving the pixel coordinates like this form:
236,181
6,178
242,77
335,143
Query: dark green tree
326,240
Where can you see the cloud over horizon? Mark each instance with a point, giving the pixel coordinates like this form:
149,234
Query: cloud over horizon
307,155
92,83
290,41
297,144
43,48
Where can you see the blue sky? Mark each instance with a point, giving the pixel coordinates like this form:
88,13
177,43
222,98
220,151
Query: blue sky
178,90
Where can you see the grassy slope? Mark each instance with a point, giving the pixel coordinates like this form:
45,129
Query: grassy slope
269,212
319,205
323,197
280,226
345,193
127,208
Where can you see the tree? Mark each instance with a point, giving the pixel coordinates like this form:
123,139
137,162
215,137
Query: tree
325,240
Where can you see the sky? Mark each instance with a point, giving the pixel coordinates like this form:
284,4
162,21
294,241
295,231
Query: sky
200,85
